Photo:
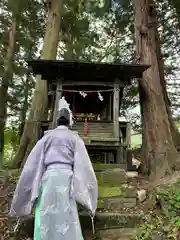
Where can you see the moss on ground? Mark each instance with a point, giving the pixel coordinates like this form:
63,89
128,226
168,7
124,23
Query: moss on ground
106,191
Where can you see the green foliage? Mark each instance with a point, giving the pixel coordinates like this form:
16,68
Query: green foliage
171,199
11,138
176,5
94,31
167,222
31,18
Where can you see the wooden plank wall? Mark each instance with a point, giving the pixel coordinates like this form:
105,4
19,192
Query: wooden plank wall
95,129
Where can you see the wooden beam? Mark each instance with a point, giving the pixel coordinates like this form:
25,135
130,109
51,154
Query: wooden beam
116,110
93,83
121,96
58,97
110,107
87,83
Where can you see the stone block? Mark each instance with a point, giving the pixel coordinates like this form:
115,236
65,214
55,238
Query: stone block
142,195
115,191
102,167
119,203
129,191
110,220
111,177
108,191
116,234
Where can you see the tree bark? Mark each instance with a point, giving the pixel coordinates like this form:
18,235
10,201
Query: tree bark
24,106
160,154
175,133
23,113
7,76
40,98
174,130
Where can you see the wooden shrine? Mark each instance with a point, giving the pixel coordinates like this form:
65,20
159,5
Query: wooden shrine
94,92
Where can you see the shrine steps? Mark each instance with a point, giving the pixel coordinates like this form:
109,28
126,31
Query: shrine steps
111,220
111,225
114,219
105,166
114,191
112,234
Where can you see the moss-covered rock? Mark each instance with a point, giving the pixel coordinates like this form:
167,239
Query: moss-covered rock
117,203
111,220
111,177
117,234
117,191
107,191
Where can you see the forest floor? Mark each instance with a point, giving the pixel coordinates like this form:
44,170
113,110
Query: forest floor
161,208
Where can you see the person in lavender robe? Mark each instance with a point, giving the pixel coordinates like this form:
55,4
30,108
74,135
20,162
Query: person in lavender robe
57,174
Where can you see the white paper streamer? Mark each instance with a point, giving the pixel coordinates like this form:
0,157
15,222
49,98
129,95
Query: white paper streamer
100,97
83,94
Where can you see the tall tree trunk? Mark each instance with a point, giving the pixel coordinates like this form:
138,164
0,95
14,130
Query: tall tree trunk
174,130
7,76
40,98
160,154
23,113
24,106
175,133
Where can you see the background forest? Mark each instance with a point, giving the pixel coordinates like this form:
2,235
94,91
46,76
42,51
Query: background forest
113,31
95,31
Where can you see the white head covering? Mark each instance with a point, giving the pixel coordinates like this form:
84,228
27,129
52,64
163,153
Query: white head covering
64,105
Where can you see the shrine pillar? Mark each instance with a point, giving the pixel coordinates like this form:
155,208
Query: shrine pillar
58,97
116,110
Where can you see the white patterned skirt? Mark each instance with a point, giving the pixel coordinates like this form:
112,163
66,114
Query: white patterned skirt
56,215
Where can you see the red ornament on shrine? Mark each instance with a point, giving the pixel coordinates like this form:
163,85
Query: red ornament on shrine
85,128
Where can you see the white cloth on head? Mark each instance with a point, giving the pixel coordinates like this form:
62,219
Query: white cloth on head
63,104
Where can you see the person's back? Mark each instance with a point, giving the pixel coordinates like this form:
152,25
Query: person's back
55,209
57,173
60,146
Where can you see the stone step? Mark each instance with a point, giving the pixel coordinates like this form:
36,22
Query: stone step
111,234
117,234
116,203
113,226
110,220
114,176
102,167
117,198
122,190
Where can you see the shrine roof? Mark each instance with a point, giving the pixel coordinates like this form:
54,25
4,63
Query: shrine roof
52,70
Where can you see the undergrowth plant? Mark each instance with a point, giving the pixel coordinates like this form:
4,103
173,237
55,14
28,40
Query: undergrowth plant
166,220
